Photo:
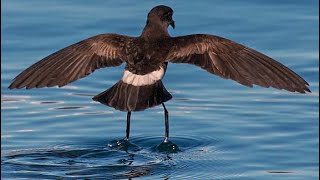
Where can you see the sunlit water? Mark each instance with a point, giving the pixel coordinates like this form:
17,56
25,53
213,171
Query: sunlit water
222,130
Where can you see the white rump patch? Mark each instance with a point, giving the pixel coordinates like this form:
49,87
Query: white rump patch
142,80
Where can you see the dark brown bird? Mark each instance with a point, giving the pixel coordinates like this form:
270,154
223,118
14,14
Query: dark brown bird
146,59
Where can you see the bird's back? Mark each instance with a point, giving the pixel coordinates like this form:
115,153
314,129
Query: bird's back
146,56
141,86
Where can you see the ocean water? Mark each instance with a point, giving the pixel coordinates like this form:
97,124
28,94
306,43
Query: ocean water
223,129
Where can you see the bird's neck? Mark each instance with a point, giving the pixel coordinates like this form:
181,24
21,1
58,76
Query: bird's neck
154,31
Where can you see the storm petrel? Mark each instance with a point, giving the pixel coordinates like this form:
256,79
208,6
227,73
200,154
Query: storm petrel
147,57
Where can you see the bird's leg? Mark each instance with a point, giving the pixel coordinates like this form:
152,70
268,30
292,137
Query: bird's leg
128,126
166,114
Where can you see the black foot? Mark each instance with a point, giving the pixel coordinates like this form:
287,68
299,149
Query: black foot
167,147
123,145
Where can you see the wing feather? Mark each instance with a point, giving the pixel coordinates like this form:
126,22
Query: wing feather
231,60
75,61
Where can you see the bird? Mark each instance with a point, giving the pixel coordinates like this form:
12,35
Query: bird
146,58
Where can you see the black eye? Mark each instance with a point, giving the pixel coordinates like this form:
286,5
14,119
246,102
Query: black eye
166,16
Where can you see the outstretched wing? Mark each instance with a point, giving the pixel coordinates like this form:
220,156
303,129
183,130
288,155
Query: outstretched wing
231,60
74,62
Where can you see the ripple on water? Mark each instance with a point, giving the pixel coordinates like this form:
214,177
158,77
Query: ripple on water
111,162
70,107
82,94
46,102
13,98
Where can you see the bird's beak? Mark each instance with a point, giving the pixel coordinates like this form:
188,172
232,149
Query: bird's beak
172,24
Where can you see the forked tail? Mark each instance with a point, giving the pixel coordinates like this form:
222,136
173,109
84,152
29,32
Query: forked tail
126,97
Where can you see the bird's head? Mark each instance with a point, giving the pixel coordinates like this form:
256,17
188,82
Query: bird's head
161,15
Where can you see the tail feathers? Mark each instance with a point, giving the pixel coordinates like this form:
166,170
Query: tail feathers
126,97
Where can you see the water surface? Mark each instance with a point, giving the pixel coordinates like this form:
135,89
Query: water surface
223,130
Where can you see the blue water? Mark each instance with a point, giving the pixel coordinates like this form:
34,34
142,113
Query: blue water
223,130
